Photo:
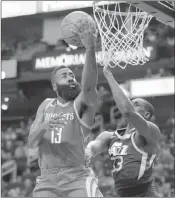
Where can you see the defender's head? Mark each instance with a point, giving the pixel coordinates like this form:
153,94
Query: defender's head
64,83
143,107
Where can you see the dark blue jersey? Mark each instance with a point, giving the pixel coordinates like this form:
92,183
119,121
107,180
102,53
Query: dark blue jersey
131,165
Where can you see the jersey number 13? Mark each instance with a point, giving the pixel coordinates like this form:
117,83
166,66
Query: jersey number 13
56,136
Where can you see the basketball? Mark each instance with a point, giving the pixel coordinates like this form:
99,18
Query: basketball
78,21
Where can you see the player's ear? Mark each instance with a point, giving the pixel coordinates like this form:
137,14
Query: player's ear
147,115
54,87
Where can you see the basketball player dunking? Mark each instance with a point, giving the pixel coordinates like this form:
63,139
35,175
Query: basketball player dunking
132,150
61,128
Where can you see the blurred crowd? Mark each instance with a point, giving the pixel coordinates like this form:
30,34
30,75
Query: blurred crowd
22,182
162,72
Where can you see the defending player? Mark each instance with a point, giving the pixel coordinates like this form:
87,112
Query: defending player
132,150
61,128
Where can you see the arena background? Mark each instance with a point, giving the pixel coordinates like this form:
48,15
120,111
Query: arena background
31,49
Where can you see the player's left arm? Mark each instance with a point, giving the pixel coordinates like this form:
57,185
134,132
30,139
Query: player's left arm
88,98
145,128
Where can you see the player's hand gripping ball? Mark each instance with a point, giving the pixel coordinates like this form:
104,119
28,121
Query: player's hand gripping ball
74,24
87,38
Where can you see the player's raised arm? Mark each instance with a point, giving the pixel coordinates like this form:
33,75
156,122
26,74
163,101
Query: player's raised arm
39,127
90,73
144,127
98,145
87,100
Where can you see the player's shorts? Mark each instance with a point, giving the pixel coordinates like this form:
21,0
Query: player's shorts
142,190
70,182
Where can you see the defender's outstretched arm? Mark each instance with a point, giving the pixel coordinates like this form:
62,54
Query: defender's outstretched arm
145,128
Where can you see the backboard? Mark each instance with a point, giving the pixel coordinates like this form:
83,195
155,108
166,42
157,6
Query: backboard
164,11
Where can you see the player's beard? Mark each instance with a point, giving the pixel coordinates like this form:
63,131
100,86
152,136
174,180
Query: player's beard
68,93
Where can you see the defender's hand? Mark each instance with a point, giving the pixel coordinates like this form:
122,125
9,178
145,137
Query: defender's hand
106,69
88,39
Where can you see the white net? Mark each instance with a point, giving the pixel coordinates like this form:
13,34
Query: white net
121,27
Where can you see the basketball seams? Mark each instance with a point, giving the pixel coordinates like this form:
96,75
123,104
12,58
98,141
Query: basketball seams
74,25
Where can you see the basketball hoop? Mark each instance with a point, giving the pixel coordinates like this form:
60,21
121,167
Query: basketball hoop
121,26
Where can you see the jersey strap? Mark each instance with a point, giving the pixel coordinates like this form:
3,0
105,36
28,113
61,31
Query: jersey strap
49,104
80,120
144,161
122,137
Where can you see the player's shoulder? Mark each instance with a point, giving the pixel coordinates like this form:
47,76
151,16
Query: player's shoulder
105,135
154,129
49,99
46,102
